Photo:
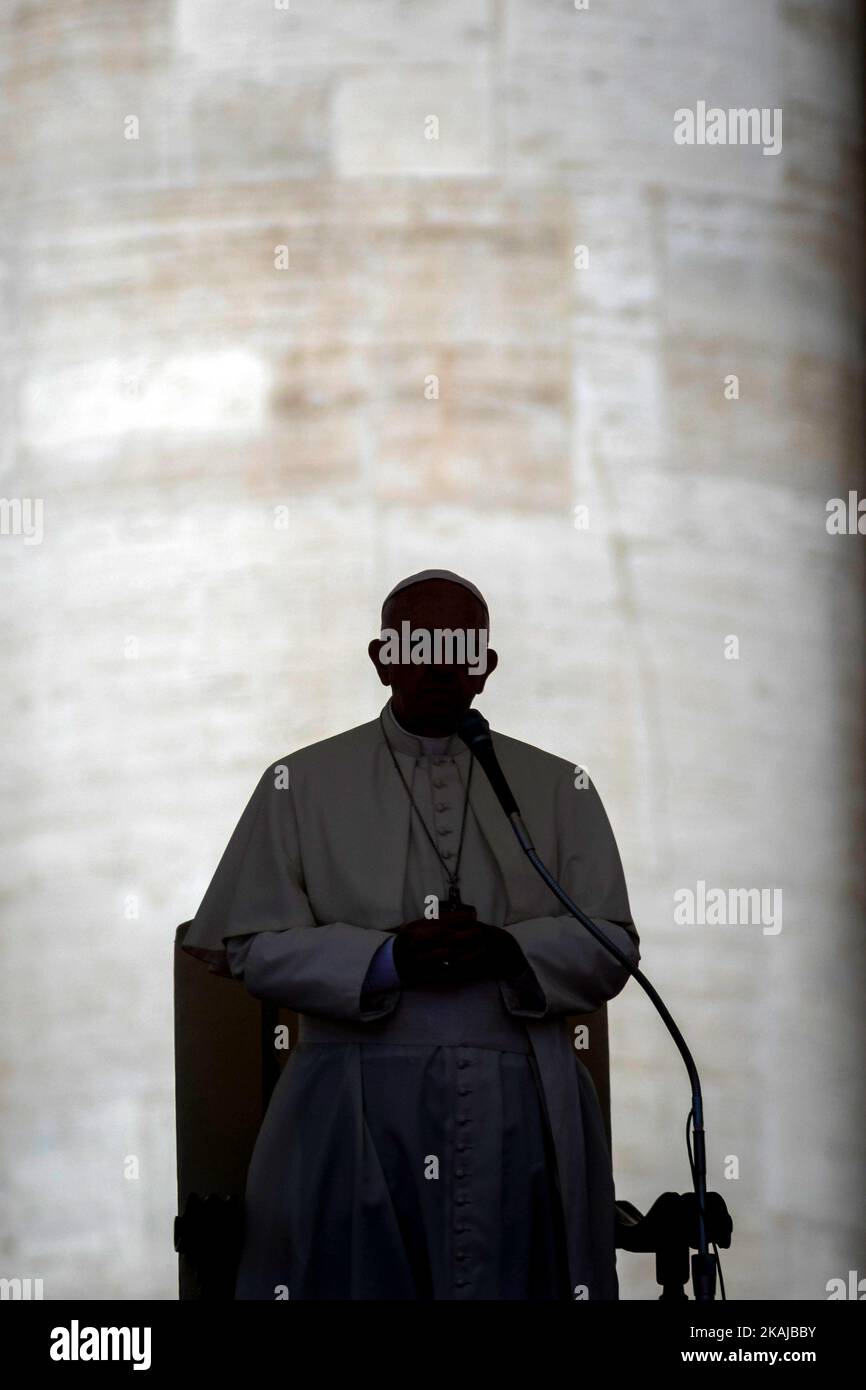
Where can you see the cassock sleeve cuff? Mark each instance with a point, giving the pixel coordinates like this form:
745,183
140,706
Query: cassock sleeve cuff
523,995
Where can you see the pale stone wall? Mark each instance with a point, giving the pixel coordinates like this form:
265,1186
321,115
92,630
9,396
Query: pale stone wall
164,388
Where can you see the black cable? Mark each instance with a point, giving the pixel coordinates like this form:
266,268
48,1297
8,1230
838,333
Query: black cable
717,1257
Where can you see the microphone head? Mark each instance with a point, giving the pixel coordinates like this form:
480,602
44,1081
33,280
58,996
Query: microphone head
474,730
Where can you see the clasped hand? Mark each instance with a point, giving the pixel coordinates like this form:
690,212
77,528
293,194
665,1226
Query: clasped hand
453,949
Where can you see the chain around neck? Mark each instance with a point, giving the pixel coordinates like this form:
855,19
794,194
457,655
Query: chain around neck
453,878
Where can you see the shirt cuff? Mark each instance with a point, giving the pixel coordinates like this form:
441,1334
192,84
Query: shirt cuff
382,974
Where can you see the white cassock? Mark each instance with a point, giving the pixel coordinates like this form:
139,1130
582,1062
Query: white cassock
422,1143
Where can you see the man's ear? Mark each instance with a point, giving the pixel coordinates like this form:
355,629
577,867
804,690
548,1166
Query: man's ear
492,663
383,671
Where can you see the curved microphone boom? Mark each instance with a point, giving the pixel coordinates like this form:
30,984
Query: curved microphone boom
474,731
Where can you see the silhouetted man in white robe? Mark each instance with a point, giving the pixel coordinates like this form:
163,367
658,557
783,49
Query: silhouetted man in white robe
433,1134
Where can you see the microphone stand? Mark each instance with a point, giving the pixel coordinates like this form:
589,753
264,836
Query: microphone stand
475,733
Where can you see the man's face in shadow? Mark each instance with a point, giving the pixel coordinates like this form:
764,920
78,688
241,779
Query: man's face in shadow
429,697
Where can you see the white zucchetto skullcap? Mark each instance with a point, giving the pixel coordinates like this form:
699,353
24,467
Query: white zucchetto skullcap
437,574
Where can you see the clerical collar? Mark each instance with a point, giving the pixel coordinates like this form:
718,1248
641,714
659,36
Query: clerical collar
417,745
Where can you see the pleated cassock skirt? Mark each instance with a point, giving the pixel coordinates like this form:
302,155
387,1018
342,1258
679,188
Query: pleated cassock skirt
409,1158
